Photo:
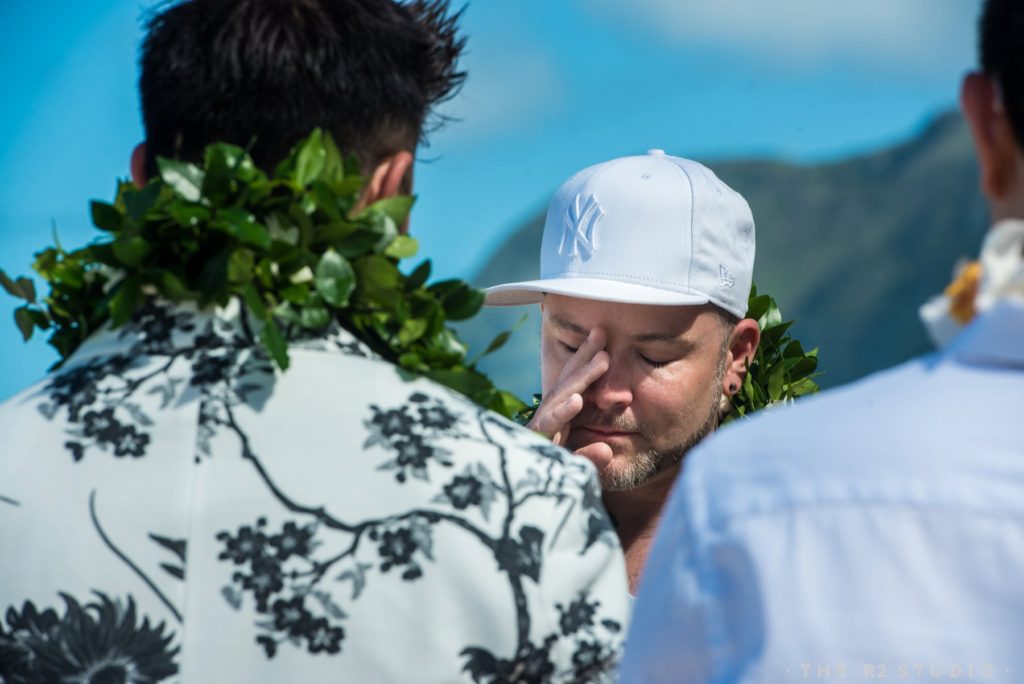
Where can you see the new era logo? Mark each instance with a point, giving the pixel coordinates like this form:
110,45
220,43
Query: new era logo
725,277
579,235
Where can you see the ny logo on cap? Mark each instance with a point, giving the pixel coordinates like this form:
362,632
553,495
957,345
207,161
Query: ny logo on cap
725,277
579,225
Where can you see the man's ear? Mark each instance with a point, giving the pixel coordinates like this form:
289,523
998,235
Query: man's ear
994,141
742,344
138,165
392,176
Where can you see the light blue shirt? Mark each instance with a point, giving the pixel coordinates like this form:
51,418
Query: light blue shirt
875,531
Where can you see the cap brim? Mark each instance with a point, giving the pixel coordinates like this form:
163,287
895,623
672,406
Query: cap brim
533,291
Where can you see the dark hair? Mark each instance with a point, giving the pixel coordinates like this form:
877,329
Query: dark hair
1001,53
268,72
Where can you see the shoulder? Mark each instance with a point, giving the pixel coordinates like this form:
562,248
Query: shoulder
917,431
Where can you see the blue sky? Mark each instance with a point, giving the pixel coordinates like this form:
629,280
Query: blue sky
554,85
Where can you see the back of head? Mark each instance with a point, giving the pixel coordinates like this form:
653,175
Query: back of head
267,72
1001,46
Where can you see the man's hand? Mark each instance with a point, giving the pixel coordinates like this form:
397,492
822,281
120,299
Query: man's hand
565,400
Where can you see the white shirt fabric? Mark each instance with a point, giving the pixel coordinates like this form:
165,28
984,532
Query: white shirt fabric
875,531
173,510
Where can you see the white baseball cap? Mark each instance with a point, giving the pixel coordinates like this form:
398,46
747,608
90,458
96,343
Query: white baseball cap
650,229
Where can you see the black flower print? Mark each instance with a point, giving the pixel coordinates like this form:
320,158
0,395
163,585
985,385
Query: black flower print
292,541
101,425
522,556
96,643
264,581
578,615
464,491
598,523
473,487
130,442
77,389
210,369
155,324
413,454
398,546
589,659
103,429
323,638
437,417
291,616
392,423
279,572
531,664
247,545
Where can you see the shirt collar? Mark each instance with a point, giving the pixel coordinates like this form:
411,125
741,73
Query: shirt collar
995,337
161,328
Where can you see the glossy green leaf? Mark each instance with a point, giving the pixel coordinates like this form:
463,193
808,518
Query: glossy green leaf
240,265
335,279
24,321
131,251
310,160
402,247
21,288
139,201
379,280
396,208
412,330
334,165
243,225
125,301
171,285
418,277
314,317
464,302
274,342
105,216
184,178
254,302
189,215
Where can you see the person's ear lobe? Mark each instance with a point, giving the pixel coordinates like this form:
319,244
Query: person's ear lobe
138,165
741,347
994,142
392,176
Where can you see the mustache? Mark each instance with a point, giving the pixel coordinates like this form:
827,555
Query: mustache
612,422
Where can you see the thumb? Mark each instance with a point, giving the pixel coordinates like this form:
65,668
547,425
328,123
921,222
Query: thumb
598,453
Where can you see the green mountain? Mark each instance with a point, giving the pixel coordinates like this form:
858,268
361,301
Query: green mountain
850,249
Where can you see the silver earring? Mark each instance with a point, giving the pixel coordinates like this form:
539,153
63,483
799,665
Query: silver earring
724,405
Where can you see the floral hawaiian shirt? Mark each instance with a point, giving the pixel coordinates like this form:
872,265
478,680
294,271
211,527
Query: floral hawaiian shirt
173,509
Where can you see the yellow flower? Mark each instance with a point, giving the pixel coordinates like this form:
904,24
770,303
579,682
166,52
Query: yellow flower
962,291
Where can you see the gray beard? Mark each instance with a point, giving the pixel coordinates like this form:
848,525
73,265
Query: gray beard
649,463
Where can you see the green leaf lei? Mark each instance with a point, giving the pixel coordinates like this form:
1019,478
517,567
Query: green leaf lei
290,246
781,370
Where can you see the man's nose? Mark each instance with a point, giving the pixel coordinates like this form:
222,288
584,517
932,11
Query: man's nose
611,389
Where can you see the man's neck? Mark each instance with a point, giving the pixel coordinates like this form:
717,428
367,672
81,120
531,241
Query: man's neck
636,513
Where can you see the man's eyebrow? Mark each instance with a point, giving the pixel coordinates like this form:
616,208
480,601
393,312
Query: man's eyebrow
569,325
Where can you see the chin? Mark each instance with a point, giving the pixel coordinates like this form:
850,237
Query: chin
624,473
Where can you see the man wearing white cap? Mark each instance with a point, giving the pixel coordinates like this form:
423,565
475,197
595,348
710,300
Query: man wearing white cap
646,267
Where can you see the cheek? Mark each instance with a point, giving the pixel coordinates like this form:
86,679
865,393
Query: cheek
551,364
669,396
